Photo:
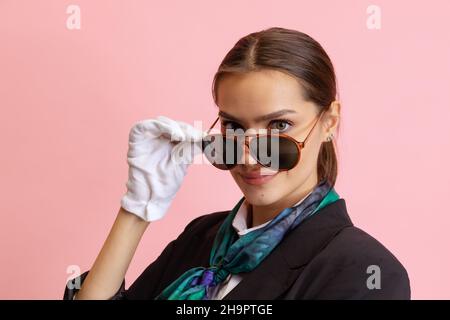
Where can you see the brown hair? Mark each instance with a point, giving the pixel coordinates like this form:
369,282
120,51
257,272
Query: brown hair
298,55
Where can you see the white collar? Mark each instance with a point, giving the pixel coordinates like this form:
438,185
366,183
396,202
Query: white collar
240,220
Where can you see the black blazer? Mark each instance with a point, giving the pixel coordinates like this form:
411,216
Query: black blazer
325,257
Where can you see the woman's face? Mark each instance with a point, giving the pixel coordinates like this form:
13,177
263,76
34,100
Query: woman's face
244,98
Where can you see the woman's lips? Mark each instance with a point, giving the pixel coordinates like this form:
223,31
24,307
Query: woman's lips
256,178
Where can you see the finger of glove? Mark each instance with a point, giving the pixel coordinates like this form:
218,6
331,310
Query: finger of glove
183,153
153,128
148,146
183,131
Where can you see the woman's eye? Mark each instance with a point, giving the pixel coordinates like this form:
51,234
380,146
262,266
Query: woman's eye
230,125
280,125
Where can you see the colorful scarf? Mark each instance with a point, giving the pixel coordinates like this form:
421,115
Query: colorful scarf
231,254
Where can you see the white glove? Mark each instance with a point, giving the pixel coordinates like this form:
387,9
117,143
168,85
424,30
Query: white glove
159,153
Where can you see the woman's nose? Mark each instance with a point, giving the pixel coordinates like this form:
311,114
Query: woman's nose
246,157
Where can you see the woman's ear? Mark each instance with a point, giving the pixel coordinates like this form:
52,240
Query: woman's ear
331,120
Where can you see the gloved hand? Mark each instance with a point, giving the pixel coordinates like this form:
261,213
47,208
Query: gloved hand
159,152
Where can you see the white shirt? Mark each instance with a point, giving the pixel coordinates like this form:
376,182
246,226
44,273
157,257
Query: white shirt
240,225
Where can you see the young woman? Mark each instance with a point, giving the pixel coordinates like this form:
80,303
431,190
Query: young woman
289,236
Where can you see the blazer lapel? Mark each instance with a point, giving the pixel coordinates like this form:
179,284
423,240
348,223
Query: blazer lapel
284,264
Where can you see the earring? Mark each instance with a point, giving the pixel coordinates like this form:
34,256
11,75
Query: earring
330,137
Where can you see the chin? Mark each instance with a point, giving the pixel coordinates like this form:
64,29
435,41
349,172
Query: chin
261,196
260,200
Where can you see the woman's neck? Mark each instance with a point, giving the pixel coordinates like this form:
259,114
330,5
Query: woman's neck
258,215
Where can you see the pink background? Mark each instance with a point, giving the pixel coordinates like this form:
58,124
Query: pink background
69,97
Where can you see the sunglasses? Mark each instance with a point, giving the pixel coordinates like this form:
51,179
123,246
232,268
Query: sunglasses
277,151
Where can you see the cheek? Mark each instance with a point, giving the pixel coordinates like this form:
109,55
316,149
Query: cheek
307,163
234,175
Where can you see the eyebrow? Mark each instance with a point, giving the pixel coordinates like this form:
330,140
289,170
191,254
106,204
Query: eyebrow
265,117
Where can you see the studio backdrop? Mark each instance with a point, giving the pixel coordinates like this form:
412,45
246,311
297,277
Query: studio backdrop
76,75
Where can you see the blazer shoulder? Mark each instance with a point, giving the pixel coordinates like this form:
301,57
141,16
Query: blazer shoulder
355,265
353,242
361,255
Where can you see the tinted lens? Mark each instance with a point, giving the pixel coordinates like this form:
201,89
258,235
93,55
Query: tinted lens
221,151
275,152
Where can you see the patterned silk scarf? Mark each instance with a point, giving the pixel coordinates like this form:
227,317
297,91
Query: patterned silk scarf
231,254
